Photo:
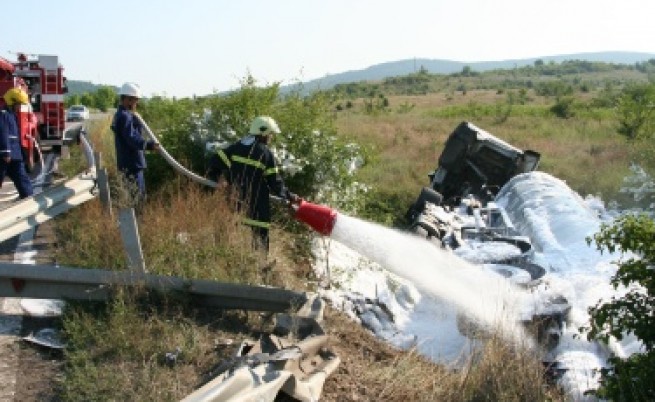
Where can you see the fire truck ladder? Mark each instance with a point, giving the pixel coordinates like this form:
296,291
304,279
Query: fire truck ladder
54,111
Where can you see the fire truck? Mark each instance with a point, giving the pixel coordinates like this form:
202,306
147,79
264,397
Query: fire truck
42,123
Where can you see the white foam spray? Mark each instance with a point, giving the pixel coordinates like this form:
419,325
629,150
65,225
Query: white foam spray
484,297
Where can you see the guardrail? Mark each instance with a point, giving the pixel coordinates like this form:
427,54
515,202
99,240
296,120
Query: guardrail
35,210
54,282
298,369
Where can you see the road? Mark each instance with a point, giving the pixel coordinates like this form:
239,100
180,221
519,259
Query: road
26,372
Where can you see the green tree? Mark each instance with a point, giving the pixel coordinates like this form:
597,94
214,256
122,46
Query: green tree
632,378
72,100
104,98
635,111
87,99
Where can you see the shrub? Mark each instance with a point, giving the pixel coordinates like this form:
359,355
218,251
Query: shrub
635,111
308,145
629,378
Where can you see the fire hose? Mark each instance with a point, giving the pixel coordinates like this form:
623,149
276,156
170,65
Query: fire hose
171,161
319,217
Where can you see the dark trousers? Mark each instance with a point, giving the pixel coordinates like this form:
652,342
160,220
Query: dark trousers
136,184
17,173
260,240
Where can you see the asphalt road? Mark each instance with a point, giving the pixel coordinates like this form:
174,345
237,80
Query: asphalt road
26,372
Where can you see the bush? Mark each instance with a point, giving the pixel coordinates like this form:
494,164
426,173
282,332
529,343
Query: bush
629,378
318,161
635,111
564,107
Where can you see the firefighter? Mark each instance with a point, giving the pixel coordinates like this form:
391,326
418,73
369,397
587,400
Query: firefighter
11,156
249,166
130,145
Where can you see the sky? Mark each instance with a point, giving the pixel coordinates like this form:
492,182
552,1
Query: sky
182,48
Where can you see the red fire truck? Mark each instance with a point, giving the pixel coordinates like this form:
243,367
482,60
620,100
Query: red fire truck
43,122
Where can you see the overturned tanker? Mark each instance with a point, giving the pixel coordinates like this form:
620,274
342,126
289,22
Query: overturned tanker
459,211
459,202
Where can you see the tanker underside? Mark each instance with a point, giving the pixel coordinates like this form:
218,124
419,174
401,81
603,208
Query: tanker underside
472,169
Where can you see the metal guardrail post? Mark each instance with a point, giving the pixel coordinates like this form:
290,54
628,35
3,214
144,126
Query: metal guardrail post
57,282
103,183
131,241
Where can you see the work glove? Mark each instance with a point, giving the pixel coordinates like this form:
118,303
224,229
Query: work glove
293,198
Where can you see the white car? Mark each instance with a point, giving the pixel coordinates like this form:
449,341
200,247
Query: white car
77,113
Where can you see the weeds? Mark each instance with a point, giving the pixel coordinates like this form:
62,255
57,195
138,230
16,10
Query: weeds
117,350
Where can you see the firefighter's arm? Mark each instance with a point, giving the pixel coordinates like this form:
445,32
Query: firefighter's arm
152,146
275,181
125,126
5,151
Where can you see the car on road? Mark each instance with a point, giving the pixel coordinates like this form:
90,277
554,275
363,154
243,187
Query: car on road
77,113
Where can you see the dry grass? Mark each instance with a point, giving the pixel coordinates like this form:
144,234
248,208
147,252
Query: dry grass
371,370
585,151
116,350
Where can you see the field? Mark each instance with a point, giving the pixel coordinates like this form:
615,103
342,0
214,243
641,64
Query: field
115,349
584,150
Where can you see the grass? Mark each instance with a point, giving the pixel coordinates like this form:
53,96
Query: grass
584,150
373,371
116,350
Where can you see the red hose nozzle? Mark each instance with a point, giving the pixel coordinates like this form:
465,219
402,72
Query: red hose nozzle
319,217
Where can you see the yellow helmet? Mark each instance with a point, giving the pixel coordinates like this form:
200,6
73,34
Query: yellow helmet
16,95
264,125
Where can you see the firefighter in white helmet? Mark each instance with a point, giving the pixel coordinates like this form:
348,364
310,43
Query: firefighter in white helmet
11,156
250,167
130,145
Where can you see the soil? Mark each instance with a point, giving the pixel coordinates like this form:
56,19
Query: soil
37,367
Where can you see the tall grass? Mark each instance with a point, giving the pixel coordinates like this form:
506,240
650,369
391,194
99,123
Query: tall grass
116,350
492,371
584,150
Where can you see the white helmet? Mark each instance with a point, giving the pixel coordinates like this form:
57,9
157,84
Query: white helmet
130,89
264,125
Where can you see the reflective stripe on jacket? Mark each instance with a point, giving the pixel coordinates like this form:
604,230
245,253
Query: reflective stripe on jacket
250,167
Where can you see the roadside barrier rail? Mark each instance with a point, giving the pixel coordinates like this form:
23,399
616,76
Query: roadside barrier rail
55,282
35,210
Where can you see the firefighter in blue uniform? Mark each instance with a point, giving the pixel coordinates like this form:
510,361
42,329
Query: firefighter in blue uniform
11,157
249,166
130,145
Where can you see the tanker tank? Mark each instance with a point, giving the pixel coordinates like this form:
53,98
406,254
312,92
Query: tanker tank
553,216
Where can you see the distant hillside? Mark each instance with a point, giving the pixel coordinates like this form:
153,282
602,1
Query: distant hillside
436,66
80,87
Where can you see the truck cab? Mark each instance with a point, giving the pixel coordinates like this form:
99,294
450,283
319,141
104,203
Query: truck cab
476,163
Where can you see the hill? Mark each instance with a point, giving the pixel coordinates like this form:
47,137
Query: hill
80,87
434,66
438,66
